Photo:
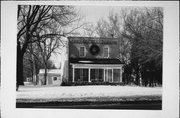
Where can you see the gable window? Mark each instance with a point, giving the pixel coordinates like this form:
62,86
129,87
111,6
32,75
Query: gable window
82,51
106,52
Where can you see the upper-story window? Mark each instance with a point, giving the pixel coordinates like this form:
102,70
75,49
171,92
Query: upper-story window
106,52
82,51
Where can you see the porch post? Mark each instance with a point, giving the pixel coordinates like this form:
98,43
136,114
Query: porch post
73,74
104,75
120,74
89,75
112,75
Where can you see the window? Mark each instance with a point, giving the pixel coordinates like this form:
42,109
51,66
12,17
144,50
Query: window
108,75
106,52
97,75
82,52
116,75
81,74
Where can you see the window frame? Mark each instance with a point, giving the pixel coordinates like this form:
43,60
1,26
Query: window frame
84,54
107,52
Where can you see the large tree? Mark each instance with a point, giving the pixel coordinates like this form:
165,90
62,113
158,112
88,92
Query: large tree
31,20
140,34
144,29
31,66
48,47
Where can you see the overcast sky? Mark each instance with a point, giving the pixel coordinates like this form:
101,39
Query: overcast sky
95,13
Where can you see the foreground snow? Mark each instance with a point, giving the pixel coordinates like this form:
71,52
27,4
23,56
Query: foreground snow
60,92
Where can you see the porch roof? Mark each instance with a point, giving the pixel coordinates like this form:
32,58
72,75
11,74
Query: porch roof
94,61
50,71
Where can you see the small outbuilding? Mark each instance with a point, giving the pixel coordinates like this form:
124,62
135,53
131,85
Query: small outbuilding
53,77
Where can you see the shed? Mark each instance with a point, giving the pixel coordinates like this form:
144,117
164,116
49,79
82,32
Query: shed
53,77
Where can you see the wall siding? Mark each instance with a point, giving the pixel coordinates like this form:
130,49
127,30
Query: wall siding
74,48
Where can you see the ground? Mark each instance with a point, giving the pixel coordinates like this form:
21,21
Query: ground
86,93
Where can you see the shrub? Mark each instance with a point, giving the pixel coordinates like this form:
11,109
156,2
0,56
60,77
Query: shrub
65,83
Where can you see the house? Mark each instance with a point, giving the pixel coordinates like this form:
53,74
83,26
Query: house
92,59
53,77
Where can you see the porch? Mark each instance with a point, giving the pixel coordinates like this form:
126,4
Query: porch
97,73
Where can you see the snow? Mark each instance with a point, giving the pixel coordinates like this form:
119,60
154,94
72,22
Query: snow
62,92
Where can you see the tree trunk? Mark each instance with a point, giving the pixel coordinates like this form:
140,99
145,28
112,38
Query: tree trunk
34,70
19,73
137,75
45,75
138,79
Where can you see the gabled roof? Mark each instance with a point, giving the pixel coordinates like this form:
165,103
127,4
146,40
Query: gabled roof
50,71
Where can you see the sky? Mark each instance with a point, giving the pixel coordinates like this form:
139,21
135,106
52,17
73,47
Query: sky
95,13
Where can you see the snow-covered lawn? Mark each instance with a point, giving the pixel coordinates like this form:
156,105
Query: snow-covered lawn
51,93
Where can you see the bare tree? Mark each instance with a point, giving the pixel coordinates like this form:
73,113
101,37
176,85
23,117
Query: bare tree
31,21
112,28
33,62
48,47
89,30
144,29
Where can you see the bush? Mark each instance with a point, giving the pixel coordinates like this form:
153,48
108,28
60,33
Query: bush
66,83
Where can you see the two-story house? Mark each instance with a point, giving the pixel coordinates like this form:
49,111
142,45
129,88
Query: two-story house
94,60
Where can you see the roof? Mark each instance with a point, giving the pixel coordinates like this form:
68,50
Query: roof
92,37
94,61
50,71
